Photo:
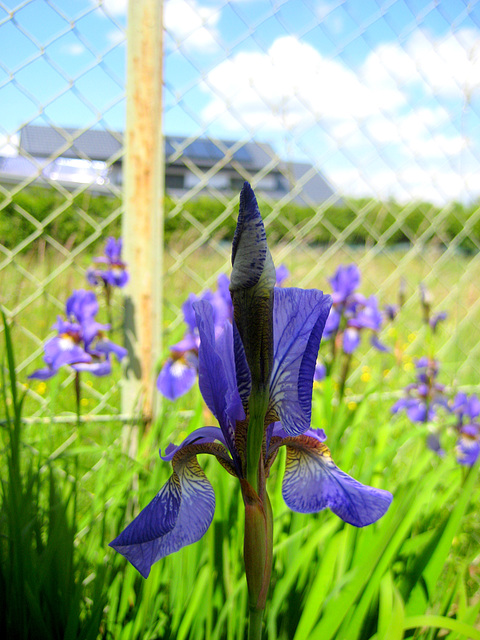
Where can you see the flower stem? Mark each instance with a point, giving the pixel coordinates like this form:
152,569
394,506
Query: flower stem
257,405
255,624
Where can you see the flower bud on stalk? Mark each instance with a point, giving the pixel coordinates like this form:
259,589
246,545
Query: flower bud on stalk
251,287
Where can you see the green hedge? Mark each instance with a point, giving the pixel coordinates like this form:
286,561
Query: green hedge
389,222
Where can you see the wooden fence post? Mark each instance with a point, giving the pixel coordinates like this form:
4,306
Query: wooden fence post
143,179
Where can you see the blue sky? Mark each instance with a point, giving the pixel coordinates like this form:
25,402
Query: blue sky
384,97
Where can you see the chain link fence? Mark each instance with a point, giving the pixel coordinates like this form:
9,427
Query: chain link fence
356,123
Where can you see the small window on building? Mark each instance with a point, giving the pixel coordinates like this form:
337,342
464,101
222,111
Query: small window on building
174,181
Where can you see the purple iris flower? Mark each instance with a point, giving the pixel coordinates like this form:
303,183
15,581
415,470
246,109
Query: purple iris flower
352,313
230,382
467,410
281,274
80,341
344,282
423,398
468,445
320,372
114,274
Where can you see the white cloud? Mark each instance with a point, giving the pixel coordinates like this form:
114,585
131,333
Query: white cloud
192,25
291,86
400,107
9,145
115,7
74,49
115,36
448,65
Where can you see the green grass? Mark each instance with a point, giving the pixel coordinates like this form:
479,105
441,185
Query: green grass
68,490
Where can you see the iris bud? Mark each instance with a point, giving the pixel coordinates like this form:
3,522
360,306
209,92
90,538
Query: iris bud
251,287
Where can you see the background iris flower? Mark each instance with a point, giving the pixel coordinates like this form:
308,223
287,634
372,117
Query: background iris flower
467,410
423,398
252,374
115,273
352,313
81,341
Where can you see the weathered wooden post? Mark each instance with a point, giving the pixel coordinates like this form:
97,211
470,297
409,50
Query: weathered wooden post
143,177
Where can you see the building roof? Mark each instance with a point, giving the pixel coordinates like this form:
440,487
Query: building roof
93,144
98,145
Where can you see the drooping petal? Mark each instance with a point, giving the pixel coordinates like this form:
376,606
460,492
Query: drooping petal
313,482
107,346
299,318
468,450
375,342
97,368
179,515
62,350
216,373
176,378
43,374
199,436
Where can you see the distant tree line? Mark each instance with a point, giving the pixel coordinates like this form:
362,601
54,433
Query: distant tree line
354,221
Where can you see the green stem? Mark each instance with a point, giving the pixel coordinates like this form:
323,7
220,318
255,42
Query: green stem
345,371
257,405
255,624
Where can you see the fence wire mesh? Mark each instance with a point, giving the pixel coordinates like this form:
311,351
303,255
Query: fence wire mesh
356,123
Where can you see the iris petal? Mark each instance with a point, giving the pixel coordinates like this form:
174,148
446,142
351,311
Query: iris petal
216,373
201,435
176,378
60,351
179,515
299,318
313,482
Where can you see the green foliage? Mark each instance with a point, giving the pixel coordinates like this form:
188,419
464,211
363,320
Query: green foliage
370,220
19,212
42,592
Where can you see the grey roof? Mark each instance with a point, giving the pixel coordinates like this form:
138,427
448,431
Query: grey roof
95,144
316,188
46,142
208,151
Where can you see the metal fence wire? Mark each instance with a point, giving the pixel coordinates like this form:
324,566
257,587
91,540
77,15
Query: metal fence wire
356,123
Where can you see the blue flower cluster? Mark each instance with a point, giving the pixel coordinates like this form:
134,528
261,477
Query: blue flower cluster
114,273
467,412
352,313
424,397
81,341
